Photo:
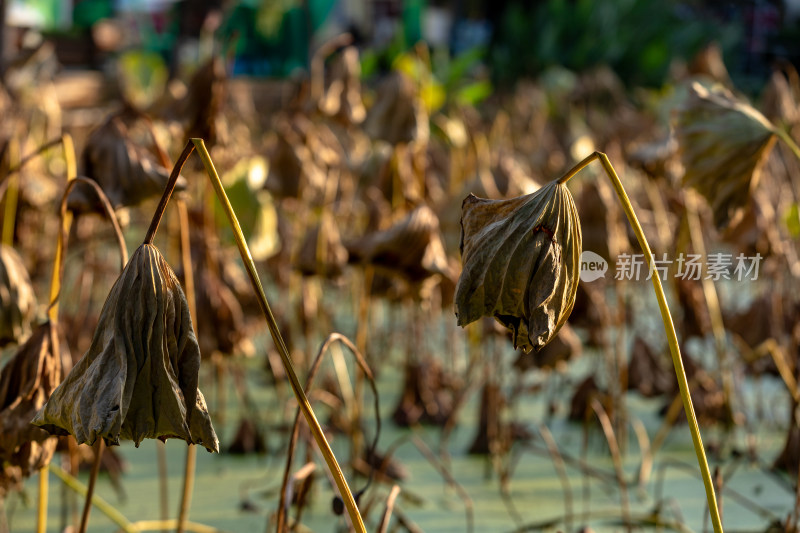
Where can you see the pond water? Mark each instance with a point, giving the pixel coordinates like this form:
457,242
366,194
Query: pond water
536,497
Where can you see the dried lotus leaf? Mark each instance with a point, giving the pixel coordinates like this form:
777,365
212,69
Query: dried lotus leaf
139,378
322,252
126,171
17,300
26,382
521,263
724,142
413,247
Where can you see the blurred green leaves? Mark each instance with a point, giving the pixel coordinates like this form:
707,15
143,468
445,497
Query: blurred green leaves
636,38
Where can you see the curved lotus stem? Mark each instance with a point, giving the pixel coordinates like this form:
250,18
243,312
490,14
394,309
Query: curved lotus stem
669,328
58,267
247,259
362,363
297,388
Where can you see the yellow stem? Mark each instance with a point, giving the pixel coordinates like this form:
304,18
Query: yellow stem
41,518
12,195
712,302
669,328
302,399
103,506
188,278
66,222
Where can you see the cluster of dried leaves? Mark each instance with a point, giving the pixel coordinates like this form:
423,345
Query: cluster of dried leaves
374,185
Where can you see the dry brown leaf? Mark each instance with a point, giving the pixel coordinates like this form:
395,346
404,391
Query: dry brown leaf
26,382
17,300
521,263
126,171
413,247
322,252
723,143
139,378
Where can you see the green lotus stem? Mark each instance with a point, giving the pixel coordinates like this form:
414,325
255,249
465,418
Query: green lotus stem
302,399
669,328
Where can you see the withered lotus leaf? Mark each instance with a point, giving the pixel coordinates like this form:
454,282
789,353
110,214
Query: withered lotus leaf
126,171
26,382
17,300
521,262
413,247
139,377
723,142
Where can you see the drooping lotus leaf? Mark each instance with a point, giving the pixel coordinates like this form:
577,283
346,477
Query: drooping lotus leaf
17,300
521,263
26,382
322,252
413,247
723,143
124,168
139,378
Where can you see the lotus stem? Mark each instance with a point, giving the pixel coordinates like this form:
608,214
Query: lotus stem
712,304
61,243
669,328
163,492
103,506
188,278
312,373
786,138
561,470
87,505
302,399
12,195
188,482
387,512
41,514
616,458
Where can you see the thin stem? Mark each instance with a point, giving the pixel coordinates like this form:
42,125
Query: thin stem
161,457
712,305
41,517
312,373
786,138
103,506
66,222
188,482
669,328
302,399
387,512
616,458
30,157
188,278
87,506
61,244
168,190
12,195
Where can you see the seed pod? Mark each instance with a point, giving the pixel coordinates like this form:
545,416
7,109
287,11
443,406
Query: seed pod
723,143
26,382
139,377
521,263
17,300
